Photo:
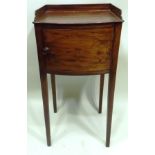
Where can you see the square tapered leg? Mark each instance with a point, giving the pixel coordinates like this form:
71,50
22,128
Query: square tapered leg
54,93
101,92
44,87
111,88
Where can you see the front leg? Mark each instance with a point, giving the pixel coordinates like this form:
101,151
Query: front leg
44,87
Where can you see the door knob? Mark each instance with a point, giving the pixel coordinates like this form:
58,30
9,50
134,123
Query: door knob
45,50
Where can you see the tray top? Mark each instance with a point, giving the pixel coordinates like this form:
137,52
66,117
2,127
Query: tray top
78,14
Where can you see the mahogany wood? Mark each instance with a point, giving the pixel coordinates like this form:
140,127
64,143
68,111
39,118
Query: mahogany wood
54,93
101,92
44,88
112,76
78,14
64,55
78,40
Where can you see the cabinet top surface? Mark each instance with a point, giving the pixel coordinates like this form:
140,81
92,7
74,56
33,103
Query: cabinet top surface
78,14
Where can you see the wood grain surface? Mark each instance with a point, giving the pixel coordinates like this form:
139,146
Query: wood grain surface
78,51
78,14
